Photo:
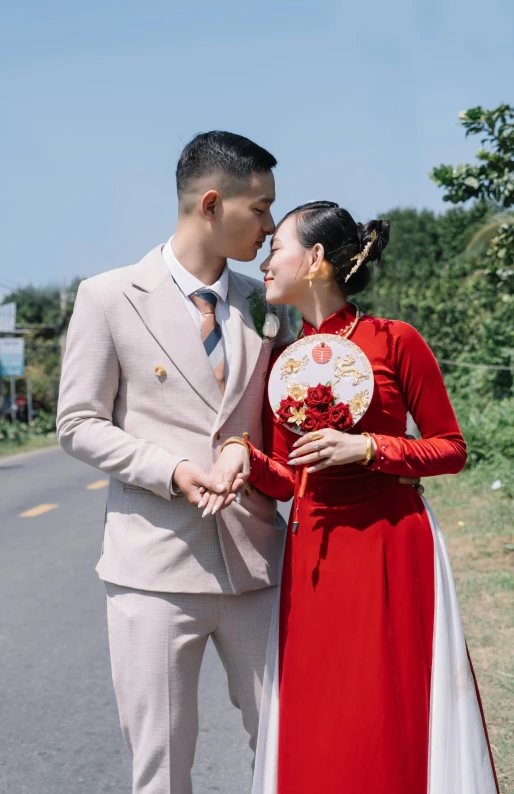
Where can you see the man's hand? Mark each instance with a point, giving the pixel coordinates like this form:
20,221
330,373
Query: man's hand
229,474
190,478
415,481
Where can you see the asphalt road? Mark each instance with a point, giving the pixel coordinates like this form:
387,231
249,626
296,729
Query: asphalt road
59,730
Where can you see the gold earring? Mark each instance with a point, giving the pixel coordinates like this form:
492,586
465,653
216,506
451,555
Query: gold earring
310,279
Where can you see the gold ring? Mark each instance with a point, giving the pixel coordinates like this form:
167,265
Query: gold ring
316,436
229,482
319,454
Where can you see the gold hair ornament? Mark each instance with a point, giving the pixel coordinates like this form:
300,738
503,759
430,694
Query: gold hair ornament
362,256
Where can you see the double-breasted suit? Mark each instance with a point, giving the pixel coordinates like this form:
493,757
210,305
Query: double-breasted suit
138,395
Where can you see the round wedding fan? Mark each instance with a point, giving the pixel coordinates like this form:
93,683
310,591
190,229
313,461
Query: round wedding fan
329,361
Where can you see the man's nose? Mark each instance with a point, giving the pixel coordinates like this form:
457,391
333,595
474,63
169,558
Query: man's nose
269,223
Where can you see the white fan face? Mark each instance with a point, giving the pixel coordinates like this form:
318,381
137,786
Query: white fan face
328,359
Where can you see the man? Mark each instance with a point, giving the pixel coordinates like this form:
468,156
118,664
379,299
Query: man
164,363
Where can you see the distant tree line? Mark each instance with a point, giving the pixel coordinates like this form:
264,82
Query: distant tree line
450,275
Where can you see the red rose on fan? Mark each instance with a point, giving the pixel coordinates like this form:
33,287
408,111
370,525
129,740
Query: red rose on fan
339,417
314,420
320,397
284,409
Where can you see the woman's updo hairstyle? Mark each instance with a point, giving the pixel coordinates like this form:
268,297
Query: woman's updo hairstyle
343,240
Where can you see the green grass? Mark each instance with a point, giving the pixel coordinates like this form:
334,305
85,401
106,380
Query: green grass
478,525
12,448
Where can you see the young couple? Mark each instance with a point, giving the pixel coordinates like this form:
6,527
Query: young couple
367,685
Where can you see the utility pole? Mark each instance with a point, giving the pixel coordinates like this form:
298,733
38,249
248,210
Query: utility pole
64,303
30,408
14,407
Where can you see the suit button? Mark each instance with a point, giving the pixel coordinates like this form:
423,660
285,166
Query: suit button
160,372
217,436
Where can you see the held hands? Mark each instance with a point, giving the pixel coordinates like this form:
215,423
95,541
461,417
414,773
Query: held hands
229,474
194,483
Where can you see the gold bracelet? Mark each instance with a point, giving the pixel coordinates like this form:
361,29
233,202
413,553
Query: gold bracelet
369,450
244,441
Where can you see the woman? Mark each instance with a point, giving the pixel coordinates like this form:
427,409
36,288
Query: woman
376,692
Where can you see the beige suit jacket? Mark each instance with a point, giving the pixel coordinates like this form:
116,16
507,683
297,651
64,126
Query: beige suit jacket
118,415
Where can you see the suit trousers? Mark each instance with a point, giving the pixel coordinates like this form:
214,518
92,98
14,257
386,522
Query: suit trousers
157,642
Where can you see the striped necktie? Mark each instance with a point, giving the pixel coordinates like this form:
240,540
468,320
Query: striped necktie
205,300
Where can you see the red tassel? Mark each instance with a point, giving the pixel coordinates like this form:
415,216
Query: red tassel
301,494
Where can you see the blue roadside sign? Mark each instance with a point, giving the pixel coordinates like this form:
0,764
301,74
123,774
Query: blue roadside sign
12,357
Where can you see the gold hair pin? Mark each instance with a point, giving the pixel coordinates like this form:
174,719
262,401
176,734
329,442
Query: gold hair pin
362,256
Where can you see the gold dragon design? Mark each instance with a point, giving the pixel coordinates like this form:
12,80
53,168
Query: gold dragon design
344,368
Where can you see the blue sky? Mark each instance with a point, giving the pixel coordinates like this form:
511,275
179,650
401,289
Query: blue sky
358,101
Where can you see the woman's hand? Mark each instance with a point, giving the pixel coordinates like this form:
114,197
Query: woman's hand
326,448
230,473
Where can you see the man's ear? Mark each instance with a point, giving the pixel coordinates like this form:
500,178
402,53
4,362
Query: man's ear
209,204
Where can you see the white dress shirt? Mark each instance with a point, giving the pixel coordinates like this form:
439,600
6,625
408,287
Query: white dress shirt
187,284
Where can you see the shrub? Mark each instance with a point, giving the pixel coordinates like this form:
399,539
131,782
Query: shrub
488,428
20,433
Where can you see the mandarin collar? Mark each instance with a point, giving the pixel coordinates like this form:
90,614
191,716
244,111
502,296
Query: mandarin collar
334,324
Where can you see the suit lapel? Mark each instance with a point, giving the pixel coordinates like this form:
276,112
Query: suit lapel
158,302
247,345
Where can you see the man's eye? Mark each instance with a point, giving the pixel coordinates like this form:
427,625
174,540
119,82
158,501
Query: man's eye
258,211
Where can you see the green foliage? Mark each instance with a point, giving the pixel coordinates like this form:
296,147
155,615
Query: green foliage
258,308
410,261
464,312
488,429
483,282
495,223
493,177
490,180
37,305
501,251
295,319
20,433
39,310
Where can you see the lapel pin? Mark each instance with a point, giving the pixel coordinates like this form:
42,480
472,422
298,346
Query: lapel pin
160,372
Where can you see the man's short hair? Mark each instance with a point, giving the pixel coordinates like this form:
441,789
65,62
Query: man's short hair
225,153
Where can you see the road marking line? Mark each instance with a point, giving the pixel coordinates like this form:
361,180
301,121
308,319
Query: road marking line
37,511
94,486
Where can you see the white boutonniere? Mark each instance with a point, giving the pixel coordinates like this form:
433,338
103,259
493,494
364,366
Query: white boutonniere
263,315
271,326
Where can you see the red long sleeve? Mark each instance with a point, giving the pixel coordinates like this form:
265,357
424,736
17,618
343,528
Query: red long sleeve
407,378
270,472
441,449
